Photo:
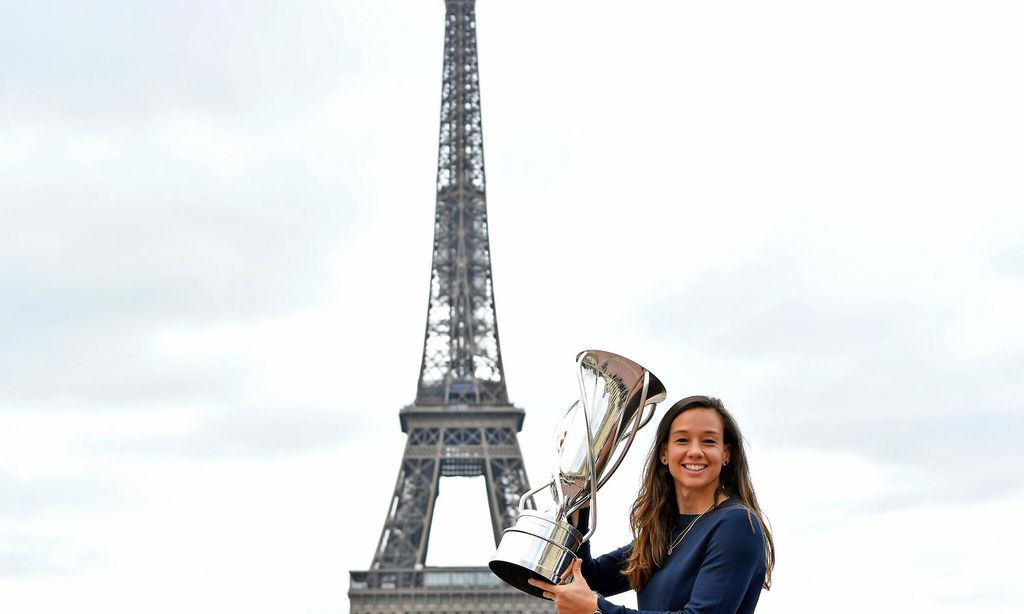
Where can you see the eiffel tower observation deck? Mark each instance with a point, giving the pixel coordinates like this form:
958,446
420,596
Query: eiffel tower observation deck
461,423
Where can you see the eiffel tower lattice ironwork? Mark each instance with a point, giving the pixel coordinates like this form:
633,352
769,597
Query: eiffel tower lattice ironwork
462,423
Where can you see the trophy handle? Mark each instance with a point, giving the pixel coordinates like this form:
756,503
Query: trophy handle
522,500
644,421
638,423
590,447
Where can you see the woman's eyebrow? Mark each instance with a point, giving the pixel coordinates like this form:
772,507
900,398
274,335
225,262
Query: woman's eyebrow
684,431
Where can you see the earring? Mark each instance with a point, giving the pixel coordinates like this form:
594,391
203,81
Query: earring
726,462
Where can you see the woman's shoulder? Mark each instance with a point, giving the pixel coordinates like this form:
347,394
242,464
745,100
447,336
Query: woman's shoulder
738,521
737,538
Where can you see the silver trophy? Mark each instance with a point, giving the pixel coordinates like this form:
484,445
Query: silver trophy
614,392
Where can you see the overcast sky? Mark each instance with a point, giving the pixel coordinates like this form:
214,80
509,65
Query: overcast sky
215,255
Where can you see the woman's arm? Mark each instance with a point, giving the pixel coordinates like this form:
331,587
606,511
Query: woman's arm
603,574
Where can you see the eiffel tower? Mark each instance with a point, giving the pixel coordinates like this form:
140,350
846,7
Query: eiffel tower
462,423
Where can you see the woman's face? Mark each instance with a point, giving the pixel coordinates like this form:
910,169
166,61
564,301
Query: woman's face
695,450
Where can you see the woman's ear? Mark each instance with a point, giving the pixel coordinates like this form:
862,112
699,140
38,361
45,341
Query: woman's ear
727,455
662,455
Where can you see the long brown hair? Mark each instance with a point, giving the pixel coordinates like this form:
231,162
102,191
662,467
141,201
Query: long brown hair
655,511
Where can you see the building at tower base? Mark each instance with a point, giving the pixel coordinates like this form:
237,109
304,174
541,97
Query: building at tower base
437,590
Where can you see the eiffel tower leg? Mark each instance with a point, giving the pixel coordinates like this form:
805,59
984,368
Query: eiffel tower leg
403,541
506,477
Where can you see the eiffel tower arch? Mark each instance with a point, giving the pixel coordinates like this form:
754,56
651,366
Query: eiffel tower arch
461,423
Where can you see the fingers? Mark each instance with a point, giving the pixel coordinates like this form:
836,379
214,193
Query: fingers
546,587
571,575
577,573
575,569
541,584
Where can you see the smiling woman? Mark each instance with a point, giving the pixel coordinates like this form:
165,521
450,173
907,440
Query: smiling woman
700,541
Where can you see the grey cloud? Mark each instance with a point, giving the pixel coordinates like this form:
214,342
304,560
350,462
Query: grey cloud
1003,245
862,361
115,229
1010,260
115,60
789,298
979,599
41,497
107,369
240,434
94,266
201,246
23,555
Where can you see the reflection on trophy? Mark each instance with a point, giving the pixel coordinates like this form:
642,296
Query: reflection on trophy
614,392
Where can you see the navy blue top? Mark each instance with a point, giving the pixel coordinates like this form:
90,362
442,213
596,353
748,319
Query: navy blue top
717,568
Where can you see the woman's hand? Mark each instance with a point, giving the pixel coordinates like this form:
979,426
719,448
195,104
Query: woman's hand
572,598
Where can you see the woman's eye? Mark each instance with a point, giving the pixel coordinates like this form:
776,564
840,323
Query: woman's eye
710,441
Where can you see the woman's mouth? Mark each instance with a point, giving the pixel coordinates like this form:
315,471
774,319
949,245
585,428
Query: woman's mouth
695,467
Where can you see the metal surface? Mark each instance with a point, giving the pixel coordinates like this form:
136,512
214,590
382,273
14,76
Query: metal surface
590,441
536,547
462,423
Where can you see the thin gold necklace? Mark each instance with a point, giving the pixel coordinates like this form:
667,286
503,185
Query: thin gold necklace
679,539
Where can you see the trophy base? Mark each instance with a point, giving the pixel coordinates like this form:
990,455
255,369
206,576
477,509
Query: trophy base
535,547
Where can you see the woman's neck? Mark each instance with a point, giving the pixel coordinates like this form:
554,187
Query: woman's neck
697,501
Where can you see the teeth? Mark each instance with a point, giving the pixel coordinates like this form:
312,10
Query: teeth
695,467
